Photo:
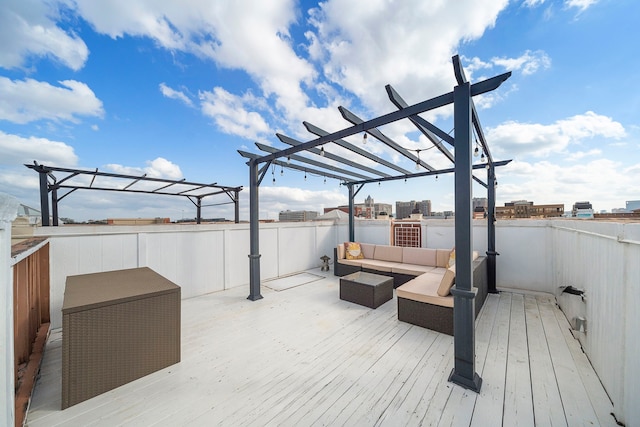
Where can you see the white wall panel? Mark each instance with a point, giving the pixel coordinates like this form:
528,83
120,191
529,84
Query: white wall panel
297,249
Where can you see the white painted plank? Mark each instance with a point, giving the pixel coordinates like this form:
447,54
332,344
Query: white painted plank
489,405
547,405
575,400
597,395
518,400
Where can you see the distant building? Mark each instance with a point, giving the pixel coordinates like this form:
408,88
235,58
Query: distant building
404,209
527,209
582,210
290,216
369,209
632,205
480,207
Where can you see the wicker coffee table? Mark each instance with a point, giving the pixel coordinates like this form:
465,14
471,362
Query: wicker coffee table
368,289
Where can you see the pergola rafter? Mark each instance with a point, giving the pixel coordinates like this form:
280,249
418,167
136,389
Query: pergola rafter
466,124
50,184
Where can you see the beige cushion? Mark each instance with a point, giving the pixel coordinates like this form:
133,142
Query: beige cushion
424,289
341,254
412,269
388,253
357,262
353,250
447,281
368,249
419,256
375,264
474,255
442,257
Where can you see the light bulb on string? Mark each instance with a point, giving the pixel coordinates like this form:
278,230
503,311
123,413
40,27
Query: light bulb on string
305,175
288,160
322,151
476,151
281,170
325,179
364,138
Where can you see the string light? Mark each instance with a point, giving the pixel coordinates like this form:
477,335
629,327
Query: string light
322,151
476,151
305,175
281,170
288,160
325,179
418,161
364,138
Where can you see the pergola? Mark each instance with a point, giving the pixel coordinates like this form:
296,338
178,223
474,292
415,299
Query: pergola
466,123
193,191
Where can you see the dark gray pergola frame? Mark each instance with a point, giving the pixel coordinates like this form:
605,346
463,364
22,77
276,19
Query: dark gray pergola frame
466,121
50,184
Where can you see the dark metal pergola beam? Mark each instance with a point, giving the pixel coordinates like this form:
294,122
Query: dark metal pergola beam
344,144
252,156
352,118
312,162
294,142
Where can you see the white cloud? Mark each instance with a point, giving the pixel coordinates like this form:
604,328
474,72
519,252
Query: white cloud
157,168
30,100
581,5
27,28
579,155
518,139
175,94
234,114
533,3
17,150
529,62
608,182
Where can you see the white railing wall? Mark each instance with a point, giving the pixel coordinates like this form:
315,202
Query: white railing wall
603,259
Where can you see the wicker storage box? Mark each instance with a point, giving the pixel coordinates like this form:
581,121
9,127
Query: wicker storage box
117,326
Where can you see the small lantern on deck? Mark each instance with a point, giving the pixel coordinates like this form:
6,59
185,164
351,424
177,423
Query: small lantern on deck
325,263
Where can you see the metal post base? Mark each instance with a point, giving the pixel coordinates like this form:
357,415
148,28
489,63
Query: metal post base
254,297
473,385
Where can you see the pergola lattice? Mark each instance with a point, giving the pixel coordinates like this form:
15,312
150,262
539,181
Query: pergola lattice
466,123
193,191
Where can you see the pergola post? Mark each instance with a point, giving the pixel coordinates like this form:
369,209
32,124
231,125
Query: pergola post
236,202
491,230
352,232
54,206
463,372
254,234
198,210
44,195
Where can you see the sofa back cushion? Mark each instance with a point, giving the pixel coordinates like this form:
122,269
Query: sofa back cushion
388,253
368,249
419,256
341,252
442,257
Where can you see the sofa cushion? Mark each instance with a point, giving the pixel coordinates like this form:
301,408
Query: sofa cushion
357,262
368,249
442,257
448,279
341,252
411,269
388,253
376,264
353,250
424,288
419,256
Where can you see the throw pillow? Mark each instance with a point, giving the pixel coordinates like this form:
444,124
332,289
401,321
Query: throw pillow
452,258
353,250
447,282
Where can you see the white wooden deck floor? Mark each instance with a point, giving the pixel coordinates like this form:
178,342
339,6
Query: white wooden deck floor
304,357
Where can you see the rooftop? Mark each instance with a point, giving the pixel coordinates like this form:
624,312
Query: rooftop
302,356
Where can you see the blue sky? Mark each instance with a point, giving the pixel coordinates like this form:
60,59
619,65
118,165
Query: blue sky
174,89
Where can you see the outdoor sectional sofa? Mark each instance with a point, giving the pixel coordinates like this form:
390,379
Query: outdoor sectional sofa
422,278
